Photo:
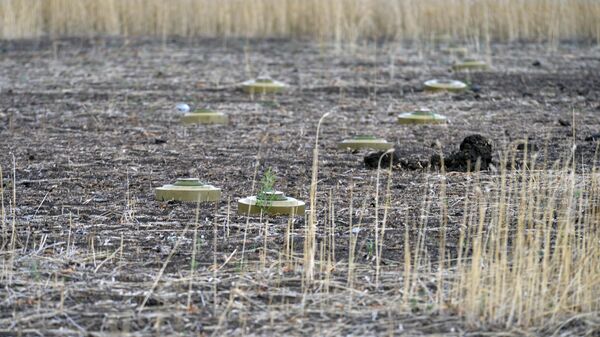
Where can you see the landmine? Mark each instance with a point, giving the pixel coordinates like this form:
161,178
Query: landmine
365,142
421,116
444,85
204,116
470,64
456,51
263,85
272,202
188,190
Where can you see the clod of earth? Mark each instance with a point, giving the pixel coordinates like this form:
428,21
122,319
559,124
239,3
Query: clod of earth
205,116
263,85
271,202
472,149
593,138
421,116
475,88
371,161
527,146
436,85
563,122
188,190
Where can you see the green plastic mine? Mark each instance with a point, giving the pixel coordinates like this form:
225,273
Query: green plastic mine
470,64
365,142
271,202
188,190
456,51
421,116
437,85
204,116
263,85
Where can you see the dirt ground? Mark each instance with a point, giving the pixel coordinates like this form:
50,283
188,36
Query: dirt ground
91,129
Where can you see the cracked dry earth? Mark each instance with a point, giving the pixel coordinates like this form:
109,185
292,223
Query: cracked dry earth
91,130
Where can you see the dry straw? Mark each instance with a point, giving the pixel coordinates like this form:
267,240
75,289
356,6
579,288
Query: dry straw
533,247
337,20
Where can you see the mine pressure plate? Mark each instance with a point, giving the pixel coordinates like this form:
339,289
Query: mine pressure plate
271,202
188,189
421,116
204,116
445,85
456,51
263,85
365,142
470,64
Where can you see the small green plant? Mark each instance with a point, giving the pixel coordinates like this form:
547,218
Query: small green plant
370,249
199,244
34,270
265,196
268,180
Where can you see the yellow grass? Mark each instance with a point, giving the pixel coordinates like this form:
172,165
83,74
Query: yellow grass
336,20
533,246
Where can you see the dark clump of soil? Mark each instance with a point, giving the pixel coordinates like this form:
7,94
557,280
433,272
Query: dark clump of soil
372,161
527,146
593,138
472,149
563,122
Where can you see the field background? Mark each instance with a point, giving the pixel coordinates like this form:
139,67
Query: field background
88,130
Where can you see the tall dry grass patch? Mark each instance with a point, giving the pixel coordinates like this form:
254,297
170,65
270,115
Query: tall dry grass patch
337,20
527,252
528,249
